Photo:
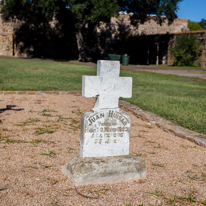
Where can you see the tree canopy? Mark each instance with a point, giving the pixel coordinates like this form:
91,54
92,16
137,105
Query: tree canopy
194,26
202,23
87,14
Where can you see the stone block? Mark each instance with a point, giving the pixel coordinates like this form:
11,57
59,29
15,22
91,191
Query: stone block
21,92
104,170
55,92
9,92
46,92
73,92
31,92
200,141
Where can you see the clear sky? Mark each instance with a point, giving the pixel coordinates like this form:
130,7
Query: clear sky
194,10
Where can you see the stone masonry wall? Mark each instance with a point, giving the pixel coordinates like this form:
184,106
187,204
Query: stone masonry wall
6,38
202,59
150,27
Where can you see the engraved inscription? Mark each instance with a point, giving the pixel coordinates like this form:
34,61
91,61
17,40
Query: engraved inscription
95,117
117,115
105,133
107,127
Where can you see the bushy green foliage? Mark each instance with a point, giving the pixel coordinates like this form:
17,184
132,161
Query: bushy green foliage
203,23
194,26
186,50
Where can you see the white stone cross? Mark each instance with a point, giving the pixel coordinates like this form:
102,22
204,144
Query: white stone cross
107,86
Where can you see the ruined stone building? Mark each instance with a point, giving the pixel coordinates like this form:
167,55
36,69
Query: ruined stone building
148,42
150,27
117,25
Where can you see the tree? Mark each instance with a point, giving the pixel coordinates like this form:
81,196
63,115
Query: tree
186,50
202,23
194,26
87,14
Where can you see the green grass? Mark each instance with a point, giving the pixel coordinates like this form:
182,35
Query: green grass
25,74
51,154
179,99
190,198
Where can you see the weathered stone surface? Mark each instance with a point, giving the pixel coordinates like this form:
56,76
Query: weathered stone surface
9,92
150,27
105,133
6,38
90,170
77,93
46,92
107,86
105,130
21,92
31,92
200,141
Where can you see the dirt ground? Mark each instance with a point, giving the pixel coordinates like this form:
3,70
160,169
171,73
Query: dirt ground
40,133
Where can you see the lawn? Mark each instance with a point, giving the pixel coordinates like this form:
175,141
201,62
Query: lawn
179,99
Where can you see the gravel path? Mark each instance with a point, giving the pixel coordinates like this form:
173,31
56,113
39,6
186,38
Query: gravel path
40,133
167,70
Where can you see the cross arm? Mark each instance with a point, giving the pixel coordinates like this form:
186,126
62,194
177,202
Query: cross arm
90,86
124,87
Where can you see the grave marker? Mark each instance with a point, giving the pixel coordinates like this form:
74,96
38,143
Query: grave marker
105,132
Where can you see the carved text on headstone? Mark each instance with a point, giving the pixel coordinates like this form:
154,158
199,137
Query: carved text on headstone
105,133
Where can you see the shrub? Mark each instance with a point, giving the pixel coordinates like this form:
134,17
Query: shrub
186,50
202,23
194,26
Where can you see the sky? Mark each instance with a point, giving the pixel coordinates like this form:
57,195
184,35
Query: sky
194,10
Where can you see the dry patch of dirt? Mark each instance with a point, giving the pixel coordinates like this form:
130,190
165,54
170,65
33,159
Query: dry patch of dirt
40,133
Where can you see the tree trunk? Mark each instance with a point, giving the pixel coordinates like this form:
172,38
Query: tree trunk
81,45
86,42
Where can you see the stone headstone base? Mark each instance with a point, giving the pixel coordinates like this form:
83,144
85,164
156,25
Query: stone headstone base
100,170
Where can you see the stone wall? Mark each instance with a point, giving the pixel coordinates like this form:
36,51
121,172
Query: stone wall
201,35
6,38
10,46
150,27
38,39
